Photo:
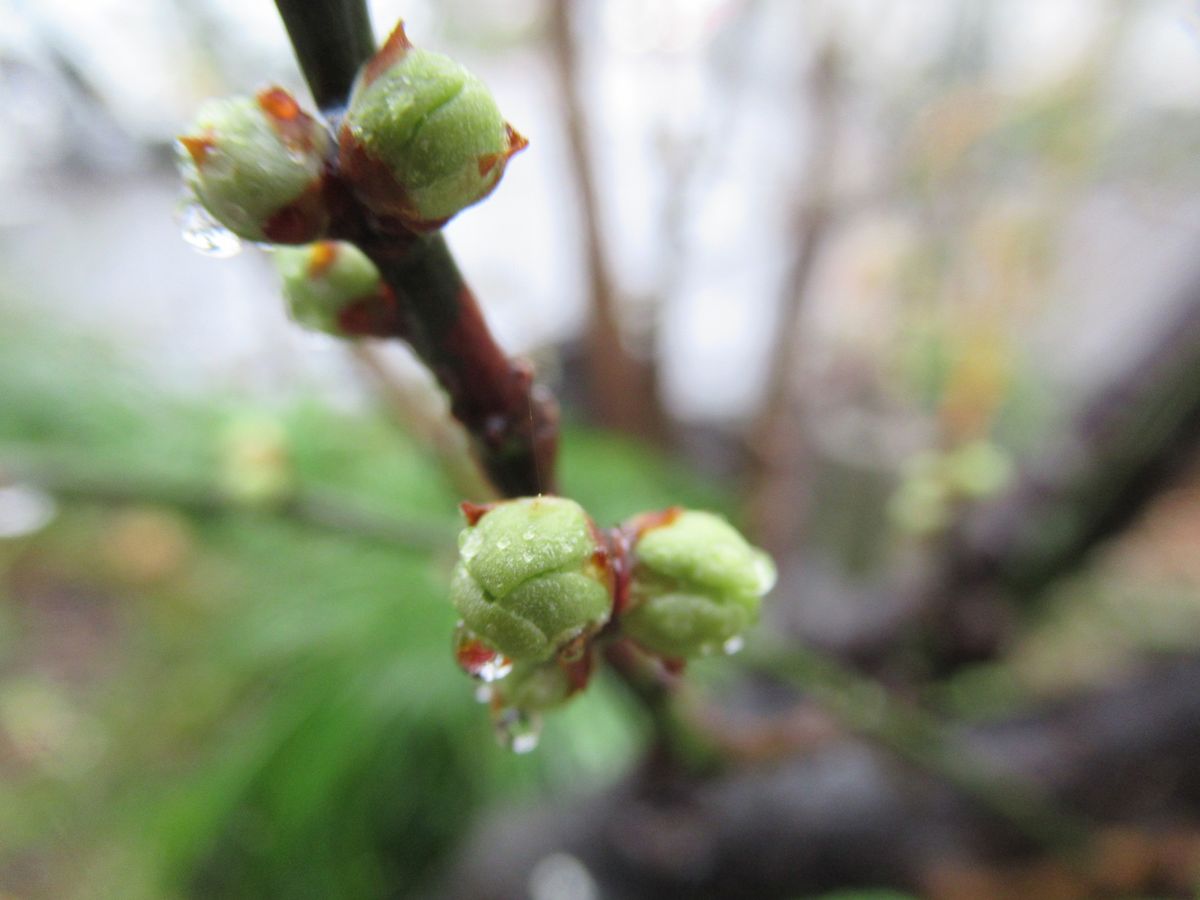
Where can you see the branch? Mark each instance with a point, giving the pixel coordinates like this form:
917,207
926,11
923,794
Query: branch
513,425
332,39
776,498
621,387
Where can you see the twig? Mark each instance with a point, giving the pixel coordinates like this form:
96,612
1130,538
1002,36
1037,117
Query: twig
332,38
75,479
411,406
775,505
621,387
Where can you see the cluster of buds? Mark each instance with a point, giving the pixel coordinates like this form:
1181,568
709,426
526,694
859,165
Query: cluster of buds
540,589
421,140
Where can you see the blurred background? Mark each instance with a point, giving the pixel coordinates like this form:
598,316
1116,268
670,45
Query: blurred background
907,289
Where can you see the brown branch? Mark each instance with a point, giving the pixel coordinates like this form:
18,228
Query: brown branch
423,415
775,506
622,387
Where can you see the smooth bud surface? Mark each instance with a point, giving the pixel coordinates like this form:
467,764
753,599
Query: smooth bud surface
422,138
527,581
256,165
322,280
696,584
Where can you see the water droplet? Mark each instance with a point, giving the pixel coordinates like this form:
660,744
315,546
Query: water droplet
517,730
206,234
24,510
502,544
733,645
479,660
527,557
484,693
471,545
528,534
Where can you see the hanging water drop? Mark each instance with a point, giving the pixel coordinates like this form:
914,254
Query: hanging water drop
733,645
471,545
206,234
516,729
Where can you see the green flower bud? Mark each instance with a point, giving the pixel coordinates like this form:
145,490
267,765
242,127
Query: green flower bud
256,165
528,581
422,138
696,583
325,282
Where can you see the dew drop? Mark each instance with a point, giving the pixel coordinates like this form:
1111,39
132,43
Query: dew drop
733,645
471,546
206,234
479,660
502,544
528,534
527,557
516,729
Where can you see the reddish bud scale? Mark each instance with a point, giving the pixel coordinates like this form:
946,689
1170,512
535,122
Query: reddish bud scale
516,143
198,147
391,52
473,655
373,178
291,123
375,316
321,258
296,222
473,512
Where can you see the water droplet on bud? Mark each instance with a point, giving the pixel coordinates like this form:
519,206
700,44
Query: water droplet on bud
206,234
471,545
733,645
479,660
516,729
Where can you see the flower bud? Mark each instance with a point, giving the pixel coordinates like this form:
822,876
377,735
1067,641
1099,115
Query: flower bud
324,282
696,583
422,138
529,581
256,165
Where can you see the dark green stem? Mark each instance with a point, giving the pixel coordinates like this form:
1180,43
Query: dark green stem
513,424
332,39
